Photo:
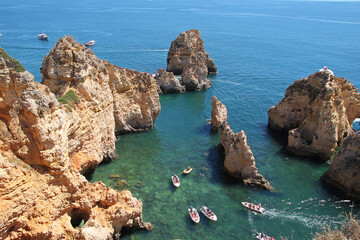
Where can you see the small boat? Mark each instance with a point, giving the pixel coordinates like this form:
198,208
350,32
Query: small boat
327,70
175,180
42,36
208,213
194,214
256,208
90,43
0,35
261,236
187,170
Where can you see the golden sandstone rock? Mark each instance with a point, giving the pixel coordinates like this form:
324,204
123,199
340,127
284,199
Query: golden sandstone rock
52,132
317,111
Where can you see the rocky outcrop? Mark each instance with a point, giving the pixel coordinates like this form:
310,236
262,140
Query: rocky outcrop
344,170
317,112
45,206
136,100
239,159
194,77
188,48
50,134
107,93
167,82
218,114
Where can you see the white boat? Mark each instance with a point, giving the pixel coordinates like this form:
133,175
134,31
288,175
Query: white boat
42,36
175,180
194,215
90,43
256,208
261,236
208,213
0,35
327,70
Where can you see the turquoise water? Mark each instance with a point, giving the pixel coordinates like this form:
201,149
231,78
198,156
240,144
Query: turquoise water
260,48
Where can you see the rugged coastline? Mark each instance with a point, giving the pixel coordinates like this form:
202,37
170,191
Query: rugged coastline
53,132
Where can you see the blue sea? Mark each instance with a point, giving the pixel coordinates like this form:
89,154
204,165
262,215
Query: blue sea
260,48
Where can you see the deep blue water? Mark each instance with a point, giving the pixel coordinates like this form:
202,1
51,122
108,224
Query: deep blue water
260,48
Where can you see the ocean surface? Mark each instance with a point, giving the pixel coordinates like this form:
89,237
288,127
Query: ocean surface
260,48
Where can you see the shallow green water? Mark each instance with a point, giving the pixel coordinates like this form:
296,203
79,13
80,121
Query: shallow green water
300,205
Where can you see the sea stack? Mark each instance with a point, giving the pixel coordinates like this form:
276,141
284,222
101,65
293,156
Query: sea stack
218,114
50,134
239,159
316,112
188,48
344,170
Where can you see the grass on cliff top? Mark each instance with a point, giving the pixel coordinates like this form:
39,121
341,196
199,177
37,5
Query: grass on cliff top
18,67
70,99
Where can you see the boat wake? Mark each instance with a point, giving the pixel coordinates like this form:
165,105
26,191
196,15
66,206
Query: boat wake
309,220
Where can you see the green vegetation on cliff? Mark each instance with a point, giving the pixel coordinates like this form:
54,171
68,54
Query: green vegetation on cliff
18,67
350,229
70,98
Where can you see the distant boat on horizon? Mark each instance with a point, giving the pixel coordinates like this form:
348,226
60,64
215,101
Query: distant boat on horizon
0,35
90,43
42,36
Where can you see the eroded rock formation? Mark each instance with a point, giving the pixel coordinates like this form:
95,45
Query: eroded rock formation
344,170
194,77
52,132
317,112
218,114
239,159
188,48
167,82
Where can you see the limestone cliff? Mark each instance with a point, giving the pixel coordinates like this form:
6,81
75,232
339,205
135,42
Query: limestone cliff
218,114
167,82
188,48
344,170
47,140
239,159
316,111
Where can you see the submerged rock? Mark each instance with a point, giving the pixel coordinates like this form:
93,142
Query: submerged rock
316,111
167,82
188,48
344,170
218,114
48,136
239,159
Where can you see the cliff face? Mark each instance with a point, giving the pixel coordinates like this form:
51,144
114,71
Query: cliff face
188,48
344,169
42,206
111,98
52,132
239,159
316,111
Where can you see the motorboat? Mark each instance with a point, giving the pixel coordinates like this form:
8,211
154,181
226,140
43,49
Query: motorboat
261,236
208,213
327,70
90,43
42,36
194,215
175,180
256,208
187,170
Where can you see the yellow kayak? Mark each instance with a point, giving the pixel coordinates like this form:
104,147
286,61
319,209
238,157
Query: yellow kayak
187,170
